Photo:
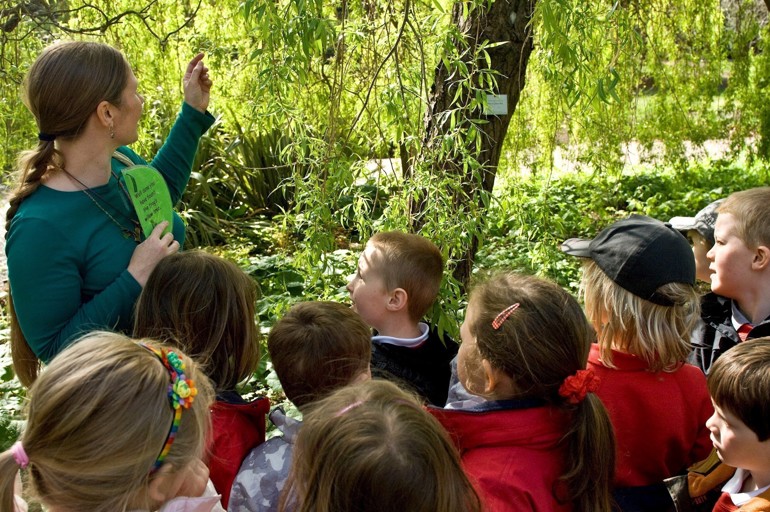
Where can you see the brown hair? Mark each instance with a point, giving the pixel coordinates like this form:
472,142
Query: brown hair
545,340
204,304
62,89
317,347
411,262
751,209
739,382
372,446
659,335
97,419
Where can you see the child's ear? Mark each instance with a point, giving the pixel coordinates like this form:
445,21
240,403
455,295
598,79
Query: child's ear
497,383
163,485
398,299
761,258
490,377
493,377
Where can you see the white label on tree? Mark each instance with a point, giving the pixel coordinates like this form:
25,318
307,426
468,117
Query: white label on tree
497,105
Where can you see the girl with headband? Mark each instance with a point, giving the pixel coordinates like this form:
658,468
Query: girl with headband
540,440
114,425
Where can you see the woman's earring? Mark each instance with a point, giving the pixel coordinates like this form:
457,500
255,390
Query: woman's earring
112,132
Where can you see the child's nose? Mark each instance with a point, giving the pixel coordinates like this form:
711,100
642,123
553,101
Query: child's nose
710,422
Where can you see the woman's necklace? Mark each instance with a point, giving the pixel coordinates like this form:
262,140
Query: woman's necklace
136,232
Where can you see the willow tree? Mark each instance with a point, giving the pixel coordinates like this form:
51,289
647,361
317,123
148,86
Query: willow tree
458,91
469,109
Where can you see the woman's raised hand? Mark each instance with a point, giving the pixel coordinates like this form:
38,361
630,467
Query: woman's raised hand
197,84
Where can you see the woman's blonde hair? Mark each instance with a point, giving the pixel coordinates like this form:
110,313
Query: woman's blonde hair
62,89
659,335
371,446
97,419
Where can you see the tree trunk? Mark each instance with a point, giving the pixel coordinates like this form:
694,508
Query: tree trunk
508,22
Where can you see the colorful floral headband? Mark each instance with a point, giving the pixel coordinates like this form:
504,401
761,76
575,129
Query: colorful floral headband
181,392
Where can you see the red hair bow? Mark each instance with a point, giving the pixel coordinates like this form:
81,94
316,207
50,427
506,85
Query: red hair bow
575,387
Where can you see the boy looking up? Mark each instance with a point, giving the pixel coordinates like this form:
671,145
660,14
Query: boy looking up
396,282
740,275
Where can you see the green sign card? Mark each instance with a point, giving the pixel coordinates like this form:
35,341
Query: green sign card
149,193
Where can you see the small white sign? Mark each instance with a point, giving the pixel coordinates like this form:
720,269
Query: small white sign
497,105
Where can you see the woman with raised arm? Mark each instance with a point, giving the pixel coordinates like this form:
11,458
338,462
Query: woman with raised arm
77,259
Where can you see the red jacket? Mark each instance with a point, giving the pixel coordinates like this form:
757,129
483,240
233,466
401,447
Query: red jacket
512,456
236,428
659,418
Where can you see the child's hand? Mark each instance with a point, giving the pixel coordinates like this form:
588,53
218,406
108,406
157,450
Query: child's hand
196,476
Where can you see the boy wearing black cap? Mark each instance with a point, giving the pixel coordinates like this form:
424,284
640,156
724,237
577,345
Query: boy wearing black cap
638,286
739,306
700,231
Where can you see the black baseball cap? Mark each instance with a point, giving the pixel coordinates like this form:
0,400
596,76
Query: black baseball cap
640,254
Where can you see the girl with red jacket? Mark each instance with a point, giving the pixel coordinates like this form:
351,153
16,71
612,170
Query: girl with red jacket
541,440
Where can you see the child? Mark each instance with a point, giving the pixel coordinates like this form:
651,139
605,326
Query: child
115,425
396,282
206,305
699,230
316,348
371,446
739,384
740,276
542,440
638,285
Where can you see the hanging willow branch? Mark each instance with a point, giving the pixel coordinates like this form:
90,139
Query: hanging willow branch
50,19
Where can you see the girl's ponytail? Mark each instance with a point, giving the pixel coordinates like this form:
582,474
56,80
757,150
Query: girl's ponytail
9,468
590,458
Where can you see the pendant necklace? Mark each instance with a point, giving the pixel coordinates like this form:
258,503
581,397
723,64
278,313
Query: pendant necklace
136,232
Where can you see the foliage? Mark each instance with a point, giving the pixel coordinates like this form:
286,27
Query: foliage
11,394
533,216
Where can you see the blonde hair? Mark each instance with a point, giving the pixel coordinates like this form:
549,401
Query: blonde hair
411,262
544,340
372,446
751,209
62,89
97,419
659,335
